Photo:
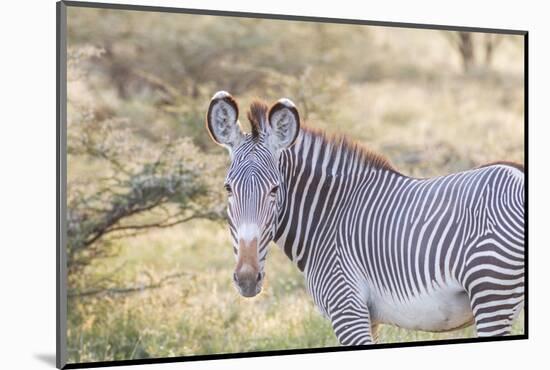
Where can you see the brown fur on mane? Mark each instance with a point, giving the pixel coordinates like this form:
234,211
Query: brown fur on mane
515,165
368,155
257,115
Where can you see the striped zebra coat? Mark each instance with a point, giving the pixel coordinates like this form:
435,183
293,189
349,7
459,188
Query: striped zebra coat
375,246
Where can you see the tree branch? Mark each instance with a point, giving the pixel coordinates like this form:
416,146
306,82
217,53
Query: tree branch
127,290
161,224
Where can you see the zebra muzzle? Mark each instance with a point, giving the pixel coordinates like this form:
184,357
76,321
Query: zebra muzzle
247,276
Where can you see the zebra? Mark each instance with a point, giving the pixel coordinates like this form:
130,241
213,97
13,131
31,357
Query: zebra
375,246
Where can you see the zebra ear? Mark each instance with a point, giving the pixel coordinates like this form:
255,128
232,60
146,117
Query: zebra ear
221,120
284,124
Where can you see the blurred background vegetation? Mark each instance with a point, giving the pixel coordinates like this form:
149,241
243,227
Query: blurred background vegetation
150,258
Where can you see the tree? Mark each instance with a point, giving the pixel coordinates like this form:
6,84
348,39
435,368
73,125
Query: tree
122,183
465,44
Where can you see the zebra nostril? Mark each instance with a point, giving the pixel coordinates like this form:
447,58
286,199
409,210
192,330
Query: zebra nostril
259,277
235,277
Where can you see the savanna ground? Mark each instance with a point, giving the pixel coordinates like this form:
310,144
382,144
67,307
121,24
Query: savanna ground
150,259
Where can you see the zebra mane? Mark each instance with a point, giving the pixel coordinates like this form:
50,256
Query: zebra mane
515,165
257,116
345,144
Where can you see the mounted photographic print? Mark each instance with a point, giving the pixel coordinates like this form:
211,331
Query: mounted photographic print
238,184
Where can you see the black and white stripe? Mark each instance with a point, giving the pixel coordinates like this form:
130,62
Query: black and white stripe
379,247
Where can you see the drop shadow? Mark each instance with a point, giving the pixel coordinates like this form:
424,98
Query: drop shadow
47,358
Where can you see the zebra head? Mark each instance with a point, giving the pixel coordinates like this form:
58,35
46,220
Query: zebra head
253,182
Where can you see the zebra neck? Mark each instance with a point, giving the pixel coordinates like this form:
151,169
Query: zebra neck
320,178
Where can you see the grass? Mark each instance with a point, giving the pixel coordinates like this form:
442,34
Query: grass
201,312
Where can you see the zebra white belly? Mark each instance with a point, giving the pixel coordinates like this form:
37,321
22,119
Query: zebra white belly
446,308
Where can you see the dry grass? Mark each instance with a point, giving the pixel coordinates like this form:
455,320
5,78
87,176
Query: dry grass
201,312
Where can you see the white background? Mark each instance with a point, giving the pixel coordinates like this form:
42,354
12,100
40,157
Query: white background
27,182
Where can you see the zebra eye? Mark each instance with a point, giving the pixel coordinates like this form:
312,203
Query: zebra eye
274,190
228,189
